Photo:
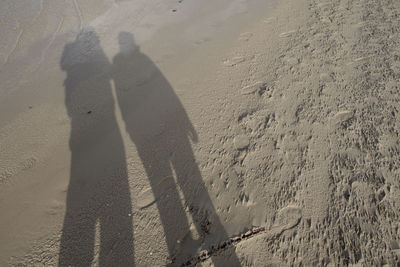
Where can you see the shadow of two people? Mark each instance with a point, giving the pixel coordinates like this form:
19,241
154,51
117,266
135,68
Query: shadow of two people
98,193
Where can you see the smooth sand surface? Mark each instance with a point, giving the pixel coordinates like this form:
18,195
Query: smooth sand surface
214,133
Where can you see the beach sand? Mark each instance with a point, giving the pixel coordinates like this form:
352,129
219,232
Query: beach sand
228,133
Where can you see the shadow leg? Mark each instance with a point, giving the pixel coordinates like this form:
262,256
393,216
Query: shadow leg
169,203
116,230
192,185
77,240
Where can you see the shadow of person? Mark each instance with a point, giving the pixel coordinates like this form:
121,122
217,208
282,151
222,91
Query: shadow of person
162,132
98,198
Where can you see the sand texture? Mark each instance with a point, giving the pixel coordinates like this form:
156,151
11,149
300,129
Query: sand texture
177,133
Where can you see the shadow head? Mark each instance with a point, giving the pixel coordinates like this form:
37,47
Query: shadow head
127,42
85,48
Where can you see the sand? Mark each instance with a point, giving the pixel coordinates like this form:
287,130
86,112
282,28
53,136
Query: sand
213,134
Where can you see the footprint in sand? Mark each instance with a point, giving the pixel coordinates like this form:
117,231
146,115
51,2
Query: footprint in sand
288,217
234,61
146,198
269,20
249,89
341,117
286,34
325,77
245,36
241,142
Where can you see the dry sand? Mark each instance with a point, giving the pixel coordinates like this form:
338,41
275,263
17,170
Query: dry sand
266,136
